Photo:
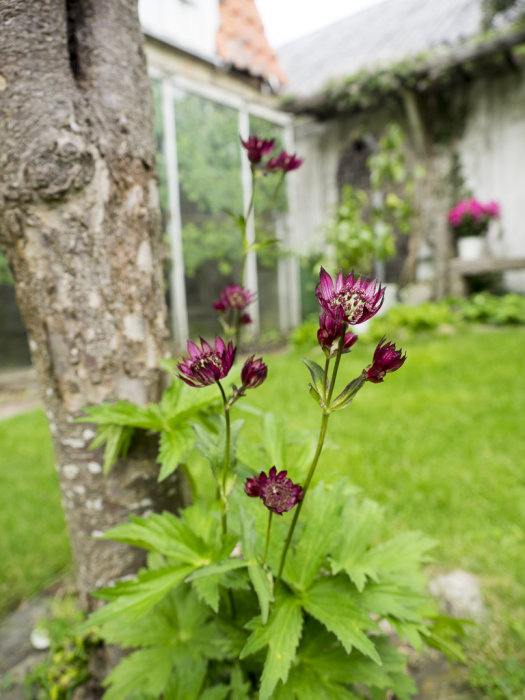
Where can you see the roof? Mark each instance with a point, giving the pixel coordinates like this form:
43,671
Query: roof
241,41
385,33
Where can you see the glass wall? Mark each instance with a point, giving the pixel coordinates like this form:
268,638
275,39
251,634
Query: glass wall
210,178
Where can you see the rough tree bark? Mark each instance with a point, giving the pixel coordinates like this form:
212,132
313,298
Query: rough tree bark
80,226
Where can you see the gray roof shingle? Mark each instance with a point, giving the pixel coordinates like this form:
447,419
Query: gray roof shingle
390,31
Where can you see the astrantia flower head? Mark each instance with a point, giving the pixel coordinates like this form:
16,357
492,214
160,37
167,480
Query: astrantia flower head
253,373
387,358
233,297
257,148
349,300
284,161
206,365
278,493
329,334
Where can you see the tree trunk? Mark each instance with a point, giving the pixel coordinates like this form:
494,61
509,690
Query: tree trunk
80,224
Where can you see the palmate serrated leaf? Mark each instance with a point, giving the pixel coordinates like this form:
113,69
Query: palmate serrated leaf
187,680
166,534
173,447
260,578
131,600
146,671
330,602
305,683
391,600
281,634
318,376
124,413
322,522
220,567
117,440
239,688
216,692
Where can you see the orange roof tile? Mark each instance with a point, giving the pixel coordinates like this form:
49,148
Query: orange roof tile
241,41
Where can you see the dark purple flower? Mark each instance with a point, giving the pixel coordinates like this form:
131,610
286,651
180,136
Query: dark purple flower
278,493
253,373
329,333
233,297
387,358
349,300
284,161
257,148
205,365
245,320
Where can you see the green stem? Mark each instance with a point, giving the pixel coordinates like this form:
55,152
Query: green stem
268,530
320,442
226,464
273,200
244,237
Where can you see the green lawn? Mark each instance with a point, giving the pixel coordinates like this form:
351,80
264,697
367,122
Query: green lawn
440,445
34,548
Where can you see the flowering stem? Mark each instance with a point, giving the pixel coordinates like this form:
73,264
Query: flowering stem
268,529
320,443
226,456
243,232
273,200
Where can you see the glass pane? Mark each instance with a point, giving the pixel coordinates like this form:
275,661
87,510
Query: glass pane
270,195
208,152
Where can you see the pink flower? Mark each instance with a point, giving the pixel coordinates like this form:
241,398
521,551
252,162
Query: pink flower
257,148
492,209
233,297
329,334
387,358
205,365
284,161
278,493
253,373
350,300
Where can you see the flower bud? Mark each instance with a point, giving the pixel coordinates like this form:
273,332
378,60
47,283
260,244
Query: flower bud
253,373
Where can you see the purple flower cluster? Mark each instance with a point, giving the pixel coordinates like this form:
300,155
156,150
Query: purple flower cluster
206,365
257,148
278,493
470,217
387,358
349,300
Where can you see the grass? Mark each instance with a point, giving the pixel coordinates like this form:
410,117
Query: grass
34,547
440,445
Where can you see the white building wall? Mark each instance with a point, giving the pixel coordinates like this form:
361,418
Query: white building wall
492,155
191,26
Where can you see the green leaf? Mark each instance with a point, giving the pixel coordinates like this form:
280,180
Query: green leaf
391,600
124,413
187,681
133,599
166,534
218,568
321,516
239,688
146,670
173,446
217,692
282,634
318,377
117,440
329,602
261,579
347,395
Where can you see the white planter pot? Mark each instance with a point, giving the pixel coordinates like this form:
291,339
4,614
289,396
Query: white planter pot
472,247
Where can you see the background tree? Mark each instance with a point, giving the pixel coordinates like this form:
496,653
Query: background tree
79,223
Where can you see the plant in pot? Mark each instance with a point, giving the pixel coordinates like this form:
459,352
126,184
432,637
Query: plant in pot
469,220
